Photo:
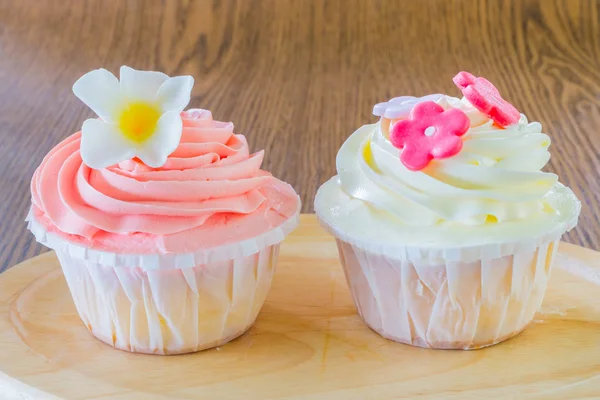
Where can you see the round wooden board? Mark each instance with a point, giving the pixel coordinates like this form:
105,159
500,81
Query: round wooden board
308,343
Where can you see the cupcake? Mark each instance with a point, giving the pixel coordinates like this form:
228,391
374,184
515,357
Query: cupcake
165,226
445,224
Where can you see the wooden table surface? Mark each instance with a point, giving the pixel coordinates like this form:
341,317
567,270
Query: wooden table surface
297,77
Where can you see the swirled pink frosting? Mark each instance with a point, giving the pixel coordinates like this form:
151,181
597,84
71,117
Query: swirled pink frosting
210,192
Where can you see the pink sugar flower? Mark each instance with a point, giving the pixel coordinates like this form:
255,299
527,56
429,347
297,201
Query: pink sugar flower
429,133
486,98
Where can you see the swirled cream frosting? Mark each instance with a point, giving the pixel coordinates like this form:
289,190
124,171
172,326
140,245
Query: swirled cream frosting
492,189
211,191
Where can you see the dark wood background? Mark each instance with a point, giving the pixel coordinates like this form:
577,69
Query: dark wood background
298,76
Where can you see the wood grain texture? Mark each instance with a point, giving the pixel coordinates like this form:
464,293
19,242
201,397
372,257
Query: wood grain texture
308,343
297,77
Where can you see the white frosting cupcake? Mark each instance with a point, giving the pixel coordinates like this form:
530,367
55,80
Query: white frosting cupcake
469,228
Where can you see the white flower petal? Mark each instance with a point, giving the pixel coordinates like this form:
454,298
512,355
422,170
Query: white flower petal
163,142
174,94
141,85
103,145
100,91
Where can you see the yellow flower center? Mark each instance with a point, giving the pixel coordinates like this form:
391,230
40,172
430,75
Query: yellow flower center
138,121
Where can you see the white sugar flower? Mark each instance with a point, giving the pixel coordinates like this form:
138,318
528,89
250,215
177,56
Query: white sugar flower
139,116
400,107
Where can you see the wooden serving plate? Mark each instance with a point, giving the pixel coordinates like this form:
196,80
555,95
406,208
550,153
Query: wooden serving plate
308,343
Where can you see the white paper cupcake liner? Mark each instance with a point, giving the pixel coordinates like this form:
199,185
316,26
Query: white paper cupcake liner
168,303
455,296
172,303
170,311
451,304
163,261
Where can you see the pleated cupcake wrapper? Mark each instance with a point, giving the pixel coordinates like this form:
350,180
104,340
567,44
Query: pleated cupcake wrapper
170,311
169,303
448,305
489,251
449,297
155,261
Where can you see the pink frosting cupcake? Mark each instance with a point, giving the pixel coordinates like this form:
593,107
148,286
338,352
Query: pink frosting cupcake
165,226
